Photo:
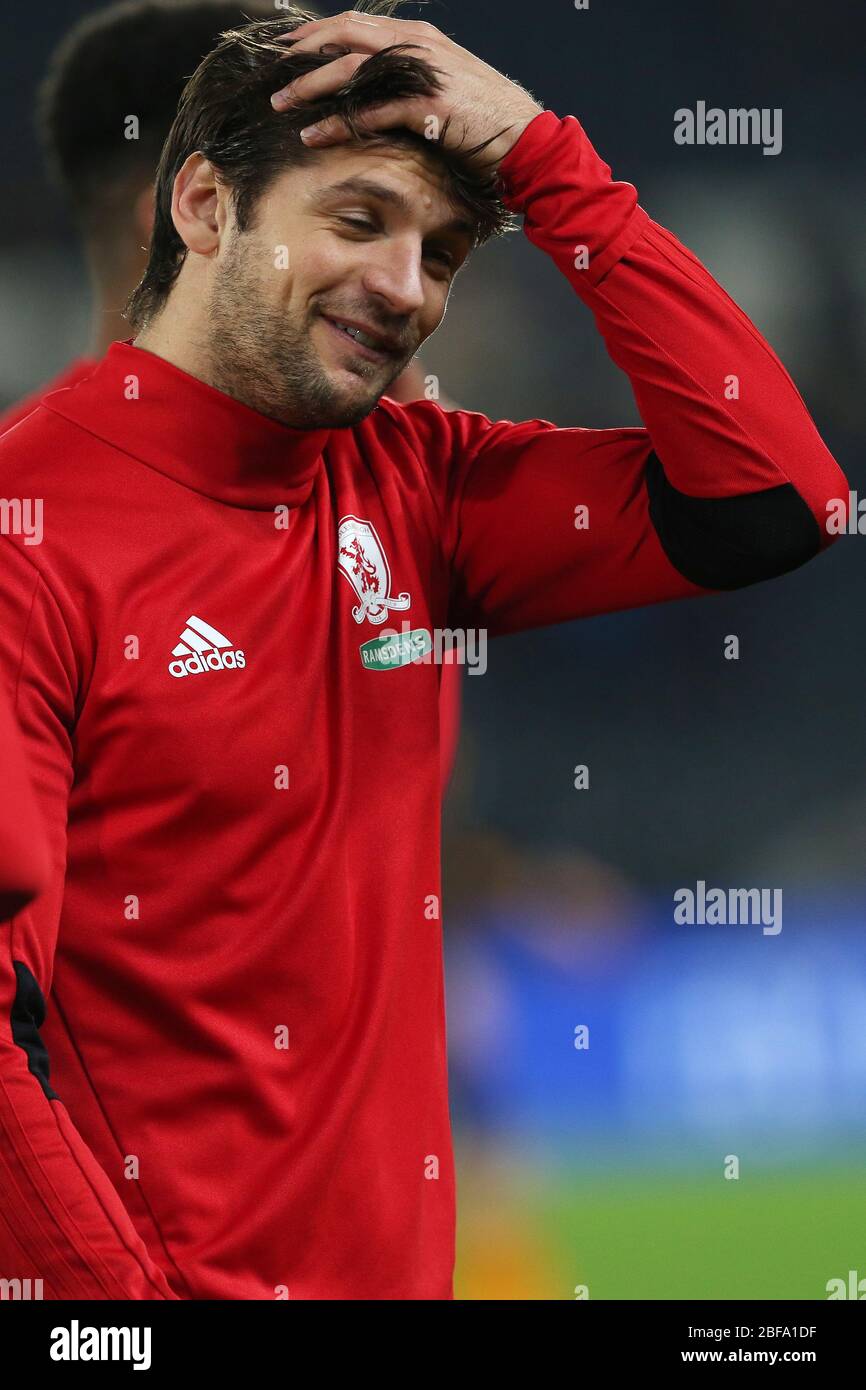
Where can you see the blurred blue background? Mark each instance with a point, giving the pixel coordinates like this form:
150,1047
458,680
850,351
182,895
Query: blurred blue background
605,1166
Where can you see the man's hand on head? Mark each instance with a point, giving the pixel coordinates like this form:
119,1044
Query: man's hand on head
476,103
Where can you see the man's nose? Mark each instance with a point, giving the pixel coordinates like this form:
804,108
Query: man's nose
394,273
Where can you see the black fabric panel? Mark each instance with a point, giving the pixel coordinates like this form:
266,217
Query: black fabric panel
729,542
28,1016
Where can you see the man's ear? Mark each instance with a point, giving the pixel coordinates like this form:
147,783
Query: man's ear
198,206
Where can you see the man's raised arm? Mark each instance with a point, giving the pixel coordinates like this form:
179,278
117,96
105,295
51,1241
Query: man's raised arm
727,483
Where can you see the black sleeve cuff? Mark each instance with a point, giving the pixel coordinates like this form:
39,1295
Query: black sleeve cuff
729,542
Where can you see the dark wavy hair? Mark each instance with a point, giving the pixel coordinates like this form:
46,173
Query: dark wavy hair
226,115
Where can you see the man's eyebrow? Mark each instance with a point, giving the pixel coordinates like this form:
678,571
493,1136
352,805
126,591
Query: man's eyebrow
368,188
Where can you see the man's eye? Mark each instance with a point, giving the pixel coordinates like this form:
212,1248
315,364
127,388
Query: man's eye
362,224
442,259
359,223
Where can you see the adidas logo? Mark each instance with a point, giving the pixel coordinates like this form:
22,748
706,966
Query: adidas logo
201,648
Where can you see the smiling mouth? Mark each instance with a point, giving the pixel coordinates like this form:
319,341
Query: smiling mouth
366,344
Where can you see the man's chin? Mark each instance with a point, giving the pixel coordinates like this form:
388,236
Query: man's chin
349,416
340,412
353,397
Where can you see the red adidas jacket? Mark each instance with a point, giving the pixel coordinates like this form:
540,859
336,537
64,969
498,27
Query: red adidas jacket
239,1091
450,695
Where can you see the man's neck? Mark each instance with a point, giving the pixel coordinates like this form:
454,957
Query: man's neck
167,337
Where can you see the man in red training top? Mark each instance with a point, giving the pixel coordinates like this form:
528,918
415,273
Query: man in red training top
247,543
135,57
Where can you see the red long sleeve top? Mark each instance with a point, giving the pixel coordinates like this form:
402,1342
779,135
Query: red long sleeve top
239,1090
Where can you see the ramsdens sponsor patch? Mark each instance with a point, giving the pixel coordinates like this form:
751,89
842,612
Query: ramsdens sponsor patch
386,653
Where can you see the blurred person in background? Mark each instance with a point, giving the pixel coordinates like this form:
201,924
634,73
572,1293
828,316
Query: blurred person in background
179,443
105,108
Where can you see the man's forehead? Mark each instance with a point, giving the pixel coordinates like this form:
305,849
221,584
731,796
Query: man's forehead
399,176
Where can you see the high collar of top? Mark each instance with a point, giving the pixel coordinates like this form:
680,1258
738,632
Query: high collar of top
189,431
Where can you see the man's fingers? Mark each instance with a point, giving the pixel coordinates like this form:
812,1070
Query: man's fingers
332,130
354,24
362,35
304,88
313,85
311,26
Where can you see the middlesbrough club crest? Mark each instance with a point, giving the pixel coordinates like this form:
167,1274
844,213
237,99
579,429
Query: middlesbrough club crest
362,561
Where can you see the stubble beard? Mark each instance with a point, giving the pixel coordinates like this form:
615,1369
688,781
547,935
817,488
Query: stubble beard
259,356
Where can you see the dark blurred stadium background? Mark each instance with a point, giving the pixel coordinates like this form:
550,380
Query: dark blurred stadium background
605,1167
